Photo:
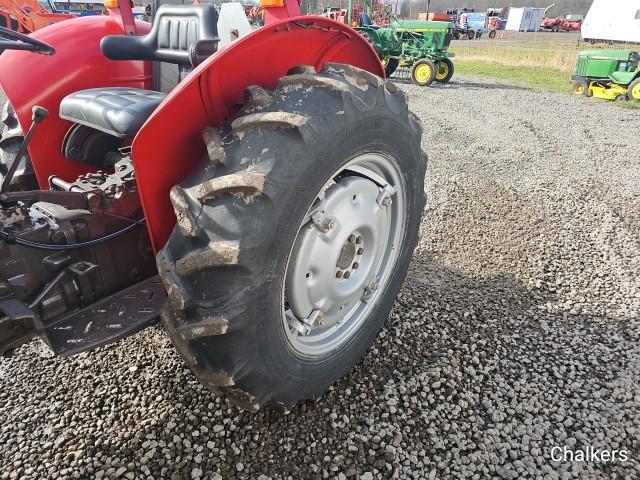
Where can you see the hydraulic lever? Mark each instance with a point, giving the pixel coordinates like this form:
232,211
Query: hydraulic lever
38,115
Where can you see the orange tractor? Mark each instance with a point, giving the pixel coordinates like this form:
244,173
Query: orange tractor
27,16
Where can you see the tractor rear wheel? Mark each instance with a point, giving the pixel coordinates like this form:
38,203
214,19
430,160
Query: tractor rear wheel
423,72
471,34
444,70
633,92
390,65
294,235
11,138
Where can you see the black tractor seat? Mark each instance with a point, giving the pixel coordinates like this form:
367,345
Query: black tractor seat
117,111
183,35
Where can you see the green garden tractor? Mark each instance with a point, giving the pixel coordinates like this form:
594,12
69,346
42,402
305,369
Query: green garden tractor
417,44
608,74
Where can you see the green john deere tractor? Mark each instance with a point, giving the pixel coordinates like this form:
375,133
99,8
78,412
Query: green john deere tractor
418,44
608,74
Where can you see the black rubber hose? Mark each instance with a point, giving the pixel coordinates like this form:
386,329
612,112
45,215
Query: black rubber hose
54,246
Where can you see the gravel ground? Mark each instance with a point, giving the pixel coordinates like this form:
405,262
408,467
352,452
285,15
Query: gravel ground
516,331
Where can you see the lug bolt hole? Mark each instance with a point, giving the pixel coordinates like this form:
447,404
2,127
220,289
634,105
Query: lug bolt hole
355,265
339,274
358,240
346,275
360,251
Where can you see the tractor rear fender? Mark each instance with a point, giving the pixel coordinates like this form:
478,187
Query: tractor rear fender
170,143
30,79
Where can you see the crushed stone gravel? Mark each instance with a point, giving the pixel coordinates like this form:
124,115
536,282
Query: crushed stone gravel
516,331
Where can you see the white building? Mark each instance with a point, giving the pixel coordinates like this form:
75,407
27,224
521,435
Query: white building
525,19
613,21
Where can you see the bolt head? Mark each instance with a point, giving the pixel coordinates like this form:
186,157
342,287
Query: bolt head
346,275
329,225
355,265
387,201
358,240
360,251
352,238
339,274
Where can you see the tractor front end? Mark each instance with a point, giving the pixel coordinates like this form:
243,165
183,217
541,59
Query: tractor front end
608,74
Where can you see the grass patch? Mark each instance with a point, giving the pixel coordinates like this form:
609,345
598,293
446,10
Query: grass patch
544,78
628,105
537,61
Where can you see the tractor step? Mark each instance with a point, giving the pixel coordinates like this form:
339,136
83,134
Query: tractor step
109,320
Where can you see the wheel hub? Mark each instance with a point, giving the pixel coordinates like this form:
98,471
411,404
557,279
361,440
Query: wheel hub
341,256
327,272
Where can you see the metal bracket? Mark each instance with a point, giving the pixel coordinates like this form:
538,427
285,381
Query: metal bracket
303,326
384,198
323,222
370,290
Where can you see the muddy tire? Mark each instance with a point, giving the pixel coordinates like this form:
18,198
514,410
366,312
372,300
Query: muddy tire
230,266
11,138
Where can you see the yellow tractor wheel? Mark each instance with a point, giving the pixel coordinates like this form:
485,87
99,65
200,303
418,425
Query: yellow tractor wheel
633,93
444,70
423,72
581,87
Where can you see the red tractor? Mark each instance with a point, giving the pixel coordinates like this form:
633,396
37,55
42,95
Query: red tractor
266,207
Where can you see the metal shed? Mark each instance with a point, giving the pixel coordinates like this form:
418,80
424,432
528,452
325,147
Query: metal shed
527,19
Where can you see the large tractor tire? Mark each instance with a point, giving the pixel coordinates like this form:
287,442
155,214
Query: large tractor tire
390,65
294,235
11,139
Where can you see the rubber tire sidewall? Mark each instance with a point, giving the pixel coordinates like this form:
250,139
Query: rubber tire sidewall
449,73
276,367
632,85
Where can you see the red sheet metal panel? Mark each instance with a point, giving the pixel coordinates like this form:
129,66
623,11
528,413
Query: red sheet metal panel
169,144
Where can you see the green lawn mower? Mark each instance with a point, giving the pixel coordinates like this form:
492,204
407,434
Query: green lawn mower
417,44
608,74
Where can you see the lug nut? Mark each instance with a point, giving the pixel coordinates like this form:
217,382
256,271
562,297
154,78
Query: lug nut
352,238
329,224
355,265
346,275
358,240
339,274
360,251
387,201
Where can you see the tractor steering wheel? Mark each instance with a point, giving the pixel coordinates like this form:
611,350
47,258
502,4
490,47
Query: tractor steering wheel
11,40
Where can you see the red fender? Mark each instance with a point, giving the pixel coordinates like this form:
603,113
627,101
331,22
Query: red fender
30,79
169,144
